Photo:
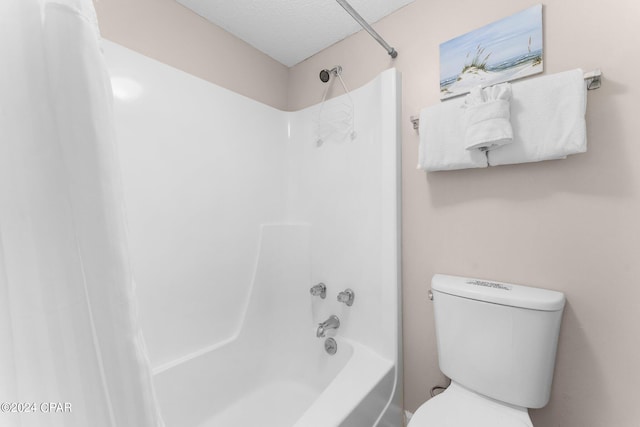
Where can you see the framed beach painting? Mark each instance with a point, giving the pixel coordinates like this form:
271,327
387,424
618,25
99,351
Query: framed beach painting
505,50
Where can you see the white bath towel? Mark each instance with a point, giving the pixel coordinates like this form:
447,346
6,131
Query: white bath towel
547,115
442,139
486,117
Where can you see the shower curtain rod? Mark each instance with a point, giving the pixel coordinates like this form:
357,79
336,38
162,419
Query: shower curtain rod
364,24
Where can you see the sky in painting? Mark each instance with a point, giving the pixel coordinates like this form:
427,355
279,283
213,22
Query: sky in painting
505,39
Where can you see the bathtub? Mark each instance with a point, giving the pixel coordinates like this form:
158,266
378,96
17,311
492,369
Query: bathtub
228,388
275,372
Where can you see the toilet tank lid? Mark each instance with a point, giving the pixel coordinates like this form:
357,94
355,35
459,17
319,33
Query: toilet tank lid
499,292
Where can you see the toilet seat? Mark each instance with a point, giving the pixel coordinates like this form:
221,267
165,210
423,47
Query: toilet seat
459,407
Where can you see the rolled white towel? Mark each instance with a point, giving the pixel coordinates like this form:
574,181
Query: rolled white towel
486,117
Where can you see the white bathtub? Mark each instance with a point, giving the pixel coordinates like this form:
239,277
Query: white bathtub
275,371
229,388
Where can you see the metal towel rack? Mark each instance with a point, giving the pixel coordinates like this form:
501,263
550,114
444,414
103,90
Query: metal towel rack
593,79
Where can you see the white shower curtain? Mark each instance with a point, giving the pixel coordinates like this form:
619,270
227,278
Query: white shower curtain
71,350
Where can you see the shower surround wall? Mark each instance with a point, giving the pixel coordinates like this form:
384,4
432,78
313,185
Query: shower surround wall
203,168
234,213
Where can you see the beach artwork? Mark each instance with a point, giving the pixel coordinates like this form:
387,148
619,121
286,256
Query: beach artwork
505,50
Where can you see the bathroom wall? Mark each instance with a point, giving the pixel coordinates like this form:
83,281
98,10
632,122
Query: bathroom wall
169,32
570,225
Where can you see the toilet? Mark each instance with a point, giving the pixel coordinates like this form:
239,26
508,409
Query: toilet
497,343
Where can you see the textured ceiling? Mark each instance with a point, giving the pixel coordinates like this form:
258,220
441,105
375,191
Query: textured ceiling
291,30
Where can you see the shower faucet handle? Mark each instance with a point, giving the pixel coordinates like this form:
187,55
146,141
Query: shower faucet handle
319,290
347,296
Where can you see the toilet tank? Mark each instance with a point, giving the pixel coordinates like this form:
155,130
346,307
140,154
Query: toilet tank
497,339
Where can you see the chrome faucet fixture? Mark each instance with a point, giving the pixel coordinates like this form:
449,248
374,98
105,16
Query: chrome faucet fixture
319,290
346,297
331,323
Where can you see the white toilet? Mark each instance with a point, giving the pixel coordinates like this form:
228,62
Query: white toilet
497,342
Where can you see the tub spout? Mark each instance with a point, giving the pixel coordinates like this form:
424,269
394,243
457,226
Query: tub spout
331,323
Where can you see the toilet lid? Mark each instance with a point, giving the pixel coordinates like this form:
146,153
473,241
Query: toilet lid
459,407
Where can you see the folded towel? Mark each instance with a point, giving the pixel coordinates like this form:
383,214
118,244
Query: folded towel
486,117
442,140
547,115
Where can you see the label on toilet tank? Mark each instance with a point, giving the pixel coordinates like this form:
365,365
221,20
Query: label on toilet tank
489,284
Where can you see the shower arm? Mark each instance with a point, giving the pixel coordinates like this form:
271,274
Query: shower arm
364,24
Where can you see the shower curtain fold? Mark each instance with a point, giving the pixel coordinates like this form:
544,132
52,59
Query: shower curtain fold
69,332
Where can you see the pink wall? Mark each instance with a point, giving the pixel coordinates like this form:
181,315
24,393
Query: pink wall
167,31
571,225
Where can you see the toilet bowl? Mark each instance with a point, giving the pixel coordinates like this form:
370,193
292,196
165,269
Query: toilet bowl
459,407
497,342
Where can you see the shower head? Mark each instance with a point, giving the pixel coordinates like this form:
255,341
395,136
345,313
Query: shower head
325,74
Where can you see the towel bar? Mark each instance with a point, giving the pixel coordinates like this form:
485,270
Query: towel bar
593,79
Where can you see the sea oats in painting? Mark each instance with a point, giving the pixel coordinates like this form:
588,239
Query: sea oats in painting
502,51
